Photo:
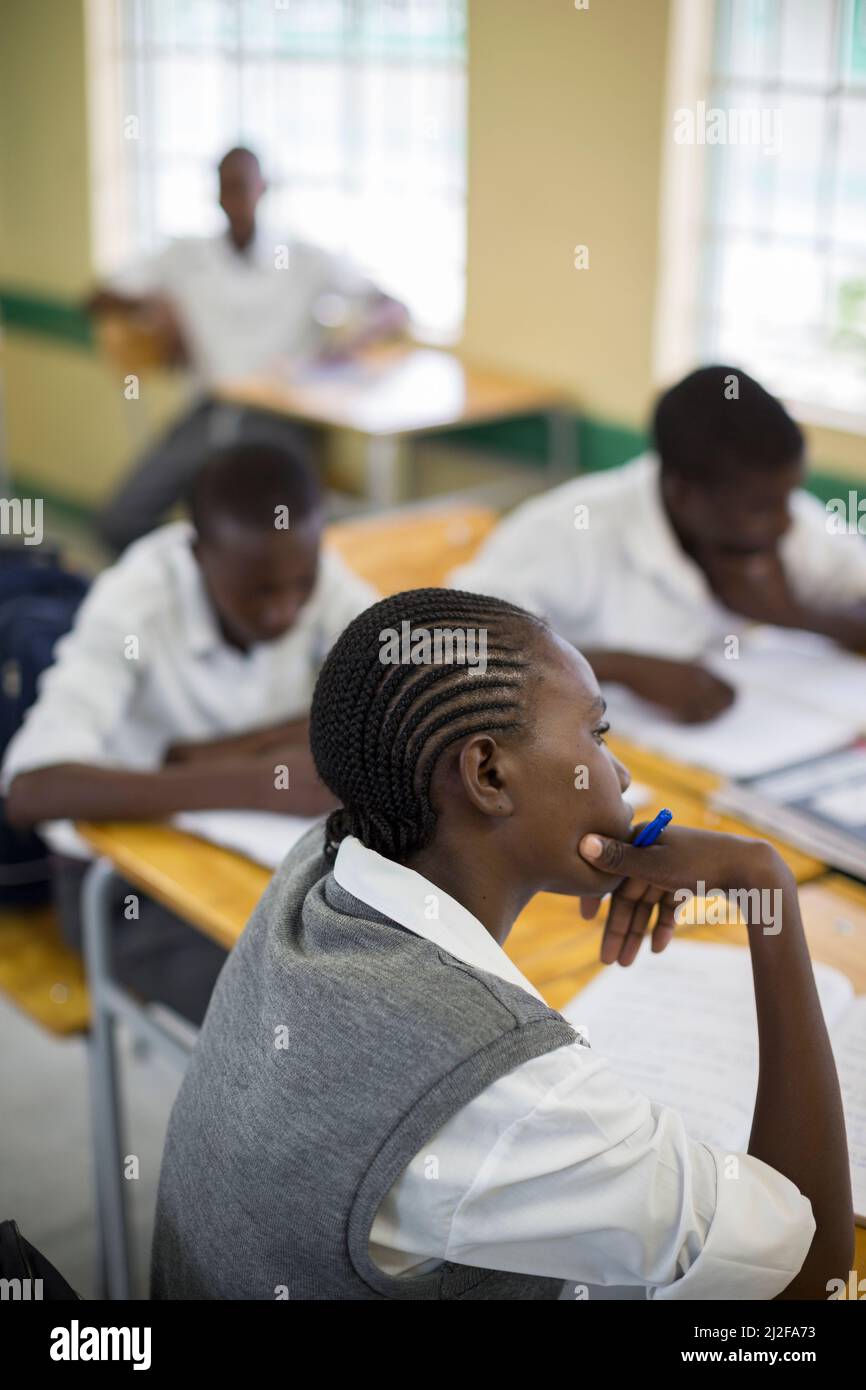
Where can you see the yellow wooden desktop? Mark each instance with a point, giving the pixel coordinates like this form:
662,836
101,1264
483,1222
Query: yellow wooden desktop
397,392
414,547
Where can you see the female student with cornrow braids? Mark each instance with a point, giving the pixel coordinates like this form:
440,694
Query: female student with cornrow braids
380,1106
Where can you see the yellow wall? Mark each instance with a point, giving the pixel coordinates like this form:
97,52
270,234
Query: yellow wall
67,424
565,122
565,145
44,225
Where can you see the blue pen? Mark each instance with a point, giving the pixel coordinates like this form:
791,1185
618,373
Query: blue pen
651,832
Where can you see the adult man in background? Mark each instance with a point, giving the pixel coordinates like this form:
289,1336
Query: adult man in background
224,307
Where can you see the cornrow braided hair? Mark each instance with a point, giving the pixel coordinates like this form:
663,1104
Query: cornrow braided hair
378,730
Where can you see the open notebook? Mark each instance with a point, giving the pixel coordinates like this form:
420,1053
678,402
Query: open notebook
681,1027
820,675
798,697
761,731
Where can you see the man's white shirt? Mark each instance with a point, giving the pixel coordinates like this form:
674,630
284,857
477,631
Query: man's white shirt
560,1169
599,559
242,310
146,666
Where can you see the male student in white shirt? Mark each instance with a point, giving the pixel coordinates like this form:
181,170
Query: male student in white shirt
650,566
185,684
227,306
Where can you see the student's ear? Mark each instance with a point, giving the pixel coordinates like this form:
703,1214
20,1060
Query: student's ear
481,767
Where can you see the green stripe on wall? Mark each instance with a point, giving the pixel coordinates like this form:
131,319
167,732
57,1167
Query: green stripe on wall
824,485
63,320
599,443
65,507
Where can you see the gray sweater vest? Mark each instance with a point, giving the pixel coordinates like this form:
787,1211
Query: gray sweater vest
335,1046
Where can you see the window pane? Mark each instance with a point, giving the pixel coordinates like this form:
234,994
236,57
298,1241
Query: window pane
784,281
749,28
744,180
799,167
854,41
184,198
189,23
850,202
806,50
191,107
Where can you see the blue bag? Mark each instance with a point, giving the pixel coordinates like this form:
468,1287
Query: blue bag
38,601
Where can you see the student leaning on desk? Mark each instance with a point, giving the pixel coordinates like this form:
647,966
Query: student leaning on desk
185,682
649,566
380,1105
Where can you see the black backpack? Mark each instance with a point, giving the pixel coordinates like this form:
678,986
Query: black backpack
38,601
34,1278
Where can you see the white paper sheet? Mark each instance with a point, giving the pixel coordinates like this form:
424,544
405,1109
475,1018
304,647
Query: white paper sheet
849,1049
261,835
801,665
681,1028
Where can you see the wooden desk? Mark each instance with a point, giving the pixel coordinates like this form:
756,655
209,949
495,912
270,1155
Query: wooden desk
646,766
213,888
413,548
39,973
397,392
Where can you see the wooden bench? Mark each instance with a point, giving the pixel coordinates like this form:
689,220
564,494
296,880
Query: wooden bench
40,974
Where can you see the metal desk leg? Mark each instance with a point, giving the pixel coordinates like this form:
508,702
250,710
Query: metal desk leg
562,457
104,1096
383,452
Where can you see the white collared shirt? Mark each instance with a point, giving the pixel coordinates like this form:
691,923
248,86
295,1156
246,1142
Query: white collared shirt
241,310
146,666
560,1169
619,579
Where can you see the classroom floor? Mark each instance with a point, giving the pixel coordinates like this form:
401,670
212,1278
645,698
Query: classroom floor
46,1178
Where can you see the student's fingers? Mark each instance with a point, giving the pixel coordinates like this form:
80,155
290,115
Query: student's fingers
649,864
622,942
630,910
589,908
681,859
666,923
643,914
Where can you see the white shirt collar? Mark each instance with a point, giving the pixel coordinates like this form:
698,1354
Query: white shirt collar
259,250
652,541
407,898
